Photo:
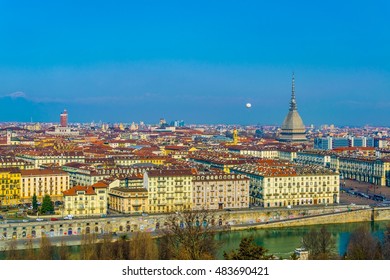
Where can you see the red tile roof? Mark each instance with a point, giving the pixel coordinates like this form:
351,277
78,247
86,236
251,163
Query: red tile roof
42,172
89,190
100,184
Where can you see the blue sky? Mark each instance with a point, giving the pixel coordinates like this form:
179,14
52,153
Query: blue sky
200,61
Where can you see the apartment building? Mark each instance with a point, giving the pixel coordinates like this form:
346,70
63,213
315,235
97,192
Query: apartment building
6,162
294,185
169,190
132,200
362,168
9,186
38,158
41,182
86,200
218,190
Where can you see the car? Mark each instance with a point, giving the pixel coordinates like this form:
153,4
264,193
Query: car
1,217
67,218
53,219
25,221
39,219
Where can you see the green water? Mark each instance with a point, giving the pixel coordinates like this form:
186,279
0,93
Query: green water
282,242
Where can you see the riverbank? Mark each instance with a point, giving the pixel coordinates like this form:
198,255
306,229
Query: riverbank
280,242
71,231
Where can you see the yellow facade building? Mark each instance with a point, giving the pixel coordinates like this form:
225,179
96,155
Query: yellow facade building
86,201
6,162
169,190
128,200
131,160
291,185
9,186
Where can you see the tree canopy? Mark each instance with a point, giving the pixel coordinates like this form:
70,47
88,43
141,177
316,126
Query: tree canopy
320,244
363,246
35,202
47,205
189,236
248,250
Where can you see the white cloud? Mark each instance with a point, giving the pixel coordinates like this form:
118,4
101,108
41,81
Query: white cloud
17,94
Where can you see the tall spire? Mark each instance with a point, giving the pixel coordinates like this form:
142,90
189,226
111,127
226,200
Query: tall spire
293,102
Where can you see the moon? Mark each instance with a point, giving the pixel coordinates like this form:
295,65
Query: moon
248,105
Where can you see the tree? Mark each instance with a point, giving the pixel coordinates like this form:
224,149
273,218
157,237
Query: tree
320,244
122,248
47,205
63,251
386,244
248,250
29,252
363,246
106,248
88,247
34,202
45,249
143,247
13,253
294,256
189,236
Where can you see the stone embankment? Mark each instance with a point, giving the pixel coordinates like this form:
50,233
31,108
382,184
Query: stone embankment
234,220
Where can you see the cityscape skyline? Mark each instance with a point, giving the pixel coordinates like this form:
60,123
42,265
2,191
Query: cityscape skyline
134,62
162,131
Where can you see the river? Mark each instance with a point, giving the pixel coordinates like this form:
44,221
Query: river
282,242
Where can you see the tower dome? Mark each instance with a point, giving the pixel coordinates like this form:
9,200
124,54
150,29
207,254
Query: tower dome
293,129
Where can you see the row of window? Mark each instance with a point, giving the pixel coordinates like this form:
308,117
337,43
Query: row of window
335,189
302,178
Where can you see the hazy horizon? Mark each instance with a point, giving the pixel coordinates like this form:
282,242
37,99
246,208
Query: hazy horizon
197,61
